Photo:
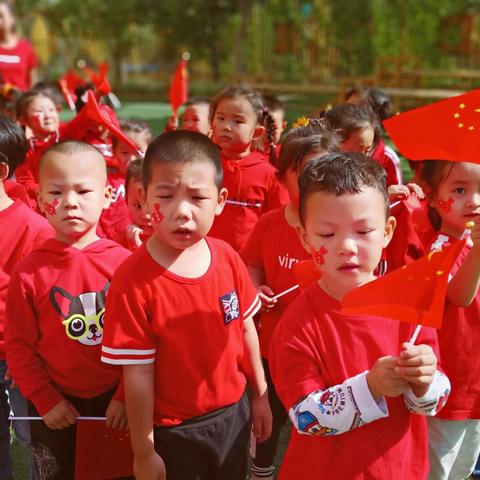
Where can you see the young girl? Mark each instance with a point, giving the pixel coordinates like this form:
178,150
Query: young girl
253,188
37,111
270,253
140,228
275,124
453,190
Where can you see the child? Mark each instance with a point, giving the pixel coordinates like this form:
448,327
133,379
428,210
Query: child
37,111
275,124
195,118
140,229
115,218
179,320
55,310
270,253
252,185
356,125
452,191
349,391
22,231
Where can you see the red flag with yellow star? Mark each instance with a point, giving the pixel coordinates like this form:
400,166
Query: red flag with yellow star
445,130
414,293
178,93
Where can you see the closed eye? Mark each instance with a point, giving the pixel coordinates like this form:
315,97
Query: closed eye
326,235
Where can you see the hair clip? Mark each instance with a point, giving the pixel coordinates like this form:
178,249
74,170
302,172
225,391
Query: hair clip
300,122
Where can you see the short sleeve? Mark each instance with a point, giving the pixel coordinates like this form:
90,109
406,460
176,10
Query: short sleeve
128,338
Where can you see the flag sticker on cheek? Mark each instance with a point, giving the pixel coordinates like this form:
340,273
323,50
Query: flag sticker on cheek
445,205
51,208
318,255
157,215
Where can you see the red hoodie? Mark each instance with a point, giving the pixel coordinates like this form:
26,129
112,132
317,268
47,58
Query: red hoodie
22,231
54,321
253,189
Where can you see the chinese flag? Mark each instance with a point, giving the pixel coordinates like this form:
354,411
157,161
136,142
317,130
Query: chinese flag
95,113
445,130
68,83
100,81
102,453
414,293
306,273
178,93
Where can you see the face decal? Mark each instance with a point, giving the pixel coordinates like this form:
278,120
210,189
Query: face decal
51,208
318,255
157,215
446,205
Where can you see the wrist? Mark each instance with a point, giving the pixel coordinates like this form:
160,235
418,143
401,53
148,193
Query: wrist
373,390
419,390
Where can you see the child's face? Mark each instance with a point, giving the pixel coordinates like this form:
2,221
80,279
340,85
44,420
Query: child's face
196,118
134,204
183,200
280,124
7,21
73,194
457,199
235,126
345,236
42,116
360,140
124,153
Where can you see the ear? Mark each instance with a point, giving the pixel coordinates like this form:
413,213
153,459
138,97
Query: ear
389,229
107,196
284,124
63,295
302,235
429,193
259,131
3,171
221,200
40,201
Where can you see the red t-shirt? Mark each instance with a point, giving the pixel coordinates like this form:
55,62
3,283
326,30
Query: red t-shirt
386,157
253,189
22,231
17,63
191,328
459,338
315,347
274,247
116,218
54,321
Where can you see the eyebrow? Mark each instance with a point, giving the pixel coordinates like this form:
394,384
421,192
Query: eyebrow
459,182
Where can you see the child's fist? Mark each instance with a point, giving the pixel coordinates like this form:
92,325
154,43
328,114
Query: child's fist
474,227
383,381
62,415
116,415
417,365
266,297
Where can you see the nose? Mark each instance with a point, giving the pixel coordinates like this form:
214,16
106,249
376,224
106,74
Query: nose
347,246
70,200
475,200
182,210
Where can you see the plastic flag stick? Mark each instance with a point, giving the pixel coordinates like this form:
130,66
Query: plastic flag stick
288,290
41,418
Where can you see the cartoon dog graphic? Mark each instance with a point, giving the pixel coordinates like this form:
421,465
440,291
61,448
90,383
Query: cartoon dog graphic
82,315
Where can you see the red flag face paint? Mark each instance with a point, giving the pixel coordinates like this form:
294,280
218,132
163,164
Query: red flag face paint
318,255
51,208
157,215
445,205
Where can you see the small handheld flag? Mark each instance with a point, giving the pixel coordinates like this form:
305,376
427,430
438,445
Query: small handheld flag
178,93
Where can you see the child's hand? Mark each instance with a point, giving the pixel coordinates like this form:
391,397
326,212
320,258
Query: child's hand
62,415
172,123
475,232
401,192
262,417
8,377
417,365
149,467
383,381
116,415
133,235
266,297
416,189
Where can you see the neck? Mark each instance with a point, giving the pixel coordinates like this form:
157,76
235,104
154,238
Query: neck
8,39
80,242
236,155
5,200
291,215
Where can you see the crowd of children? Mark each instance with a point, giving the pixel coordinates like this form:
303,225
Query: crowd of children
151,281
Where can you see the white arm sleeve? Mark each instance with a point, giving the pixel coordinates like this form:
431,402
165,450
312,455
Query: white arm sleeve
433,401
338,409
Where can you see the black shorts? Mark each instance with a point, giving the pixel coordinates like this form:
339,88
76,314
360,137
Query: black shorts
210,447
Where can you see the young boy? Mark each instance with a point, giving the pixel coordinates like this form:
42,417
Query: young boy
350,383
22,231
180,322
55,309
195,118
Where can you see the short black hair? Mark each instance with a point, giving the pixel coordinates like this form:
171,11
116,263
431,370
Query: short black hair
182,146
13,144
347,118
340,173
